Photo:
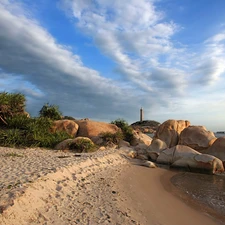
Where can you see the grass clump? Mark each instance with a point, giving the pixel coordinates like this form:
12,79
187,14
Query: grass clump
109,137
12,155
127,130
83,145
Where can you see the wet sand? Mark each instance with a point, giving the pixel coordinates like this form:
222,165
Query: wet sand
156,200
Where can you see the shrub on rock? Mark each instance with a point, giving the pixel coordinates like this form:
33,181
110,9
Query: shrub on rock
78,144
126,129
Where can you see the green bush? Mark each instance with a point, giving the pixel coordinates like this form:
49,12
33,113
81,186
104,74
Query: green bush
11,137
18,122
110,137
11,104
30,132
126,129
51,112
83,145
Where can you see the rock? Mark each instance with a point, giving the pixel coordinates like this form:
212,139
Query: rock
170,130
89,128
202,163
185,157
128,151
148,164
132,154
155,148
141,148
69,126
217,149
123,143
98,140
64,145
142,156
197,137
102,148
140,138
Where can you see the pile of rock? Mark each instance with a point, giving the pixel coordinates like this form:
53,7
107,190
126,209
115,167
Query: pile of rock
92,131
178,144
175,143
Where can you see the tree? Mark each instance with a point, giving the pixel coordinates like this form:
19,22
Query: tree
50,111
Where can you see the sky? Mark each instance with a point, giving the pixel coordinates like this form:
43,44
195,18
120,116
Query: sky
105,59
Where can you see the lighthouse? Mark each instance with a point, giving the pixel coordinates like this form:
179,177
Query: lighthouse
141,115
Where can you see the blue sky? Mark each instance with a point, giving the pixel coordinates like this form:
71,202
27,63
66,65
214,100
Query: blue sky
105,59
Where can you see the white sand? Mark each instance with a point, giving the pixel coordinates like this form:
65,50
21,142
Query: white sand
98,188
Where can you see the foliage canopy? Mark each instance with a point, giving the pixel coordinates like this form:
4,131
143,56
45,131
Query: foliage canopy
50,111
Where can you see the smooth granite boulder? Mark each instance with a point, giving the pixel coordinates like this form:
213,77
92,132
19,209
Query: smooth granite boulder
155,148
185,157
170,130
140,138
69,126
197,137
217,149
90,129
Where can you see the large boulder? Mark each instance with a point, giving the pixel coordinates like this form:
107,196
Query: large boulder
140,138
90,129
69,126
197,137
170,130
155,148
203,163
217,149
185,157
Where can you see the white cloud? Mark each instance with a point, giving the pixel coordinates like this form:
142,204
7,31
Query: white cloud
210,64
154,72
28,51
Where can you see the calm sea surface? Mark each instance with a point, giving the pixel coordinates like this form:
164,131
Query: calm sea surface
208,190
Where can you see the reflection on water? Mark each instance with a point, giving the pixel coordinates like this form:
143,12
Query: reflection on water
206,189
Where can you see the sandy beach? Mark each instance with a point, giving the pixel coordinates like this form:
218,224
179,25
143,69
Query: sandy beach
61,188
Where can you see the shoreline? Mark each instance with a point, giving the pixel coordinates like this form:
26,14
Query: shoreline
99,188
160,202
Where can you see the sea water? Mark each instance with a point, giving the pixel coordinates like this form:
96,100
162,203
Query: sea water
208,190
